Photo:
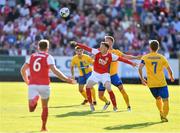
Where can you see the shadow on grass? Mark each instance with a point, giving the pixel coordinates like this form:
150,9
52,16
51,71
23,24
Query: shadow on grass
65,106
75,113
132,126
82,113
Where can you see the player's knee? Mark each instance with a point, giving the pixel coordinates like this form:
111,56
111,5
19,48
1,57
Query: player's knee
158,98
107,85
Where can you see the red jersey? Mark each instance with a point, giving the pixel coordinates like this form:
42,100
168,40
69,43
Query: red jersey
102,62
39,68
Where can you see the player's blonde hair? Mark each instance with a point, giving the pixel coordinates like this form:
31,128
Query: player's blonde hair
43,44
109,37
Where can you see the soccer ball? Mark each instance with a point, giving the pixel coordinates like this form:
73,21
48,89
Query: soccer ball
64,12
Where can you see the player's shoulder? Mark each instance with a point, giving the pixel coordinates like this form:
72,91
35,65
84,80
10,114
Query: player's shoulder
86,56
145,56
74,57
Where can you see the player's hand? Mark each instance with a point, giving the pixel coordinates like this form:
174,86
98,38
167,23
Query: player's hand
27,82
74,43
73,77
71,81
172,79
144,82
134,64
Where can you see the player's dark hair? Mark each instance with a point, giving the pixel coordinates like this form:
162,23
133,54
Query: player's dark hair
154,45
43,44
110,37
105,44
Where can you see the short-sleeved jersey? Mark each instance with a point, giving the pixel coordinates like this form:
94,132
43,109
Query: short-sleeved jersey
39,68
102,62
155,64
84,64
114,64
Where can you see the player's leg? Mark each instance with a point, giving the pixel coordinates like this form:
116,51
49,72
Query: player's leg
89,86
107,85
33,96
101,90
93,96
104,99
44,114
125,96
92,89
116,81
82,82
92,80
83,93
165,95
166,107
44,92
159,103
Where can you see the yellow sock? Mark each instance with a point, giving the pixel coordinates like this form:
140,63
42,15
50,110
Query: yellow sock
93,94
104,99
83,93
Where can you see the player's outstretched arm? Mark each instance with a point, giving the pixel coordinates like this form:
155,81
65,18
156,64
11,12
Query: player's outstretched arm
127,61
143,81
60,75
131,57
171,76
23,73
85,47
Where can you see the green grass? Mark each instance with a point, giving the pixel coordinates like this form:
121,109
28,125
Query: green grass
67,115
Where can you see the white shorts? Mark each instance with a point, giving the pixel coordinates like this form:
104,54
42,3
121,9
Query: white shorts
99,78
42,90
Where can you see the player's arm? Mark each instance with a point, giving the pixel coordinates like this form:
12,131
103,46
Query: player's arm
23,73
167,66
171,76
131,57
60,75
72,72
118,58
85,47
143,81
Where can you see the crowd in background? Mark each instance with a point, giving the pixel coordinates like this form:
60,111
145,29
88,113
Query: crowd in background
131,22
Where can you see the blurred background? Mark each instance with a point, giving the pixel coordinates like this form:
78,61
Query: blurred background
132,23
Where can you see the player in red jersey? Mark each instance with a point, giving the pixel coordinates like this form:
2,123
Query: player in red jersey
38,83
102,61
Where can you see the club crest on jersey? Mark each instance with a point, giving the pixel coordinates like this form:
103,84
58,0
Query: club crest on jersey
103,62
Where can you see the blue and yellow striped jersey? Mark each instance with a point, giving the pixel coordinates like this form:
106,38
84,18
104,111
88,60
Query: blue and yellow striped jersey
84,64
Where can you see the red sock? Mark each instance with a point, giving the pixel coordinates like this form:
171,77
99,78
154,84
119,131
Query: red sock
32,108
33,104
113,98
44,117
88,92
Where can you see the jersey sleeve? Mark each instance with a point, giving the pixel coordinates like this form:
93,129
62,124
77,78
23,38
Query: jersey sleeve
114,57
28,60
119,53
95,51
50,60
143,60
90,60
165,62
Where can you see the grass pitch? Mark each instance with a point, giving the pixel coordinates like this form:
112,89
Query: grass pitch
67,115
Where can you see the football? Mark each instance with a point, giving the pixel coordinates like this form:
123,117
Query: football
64,12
